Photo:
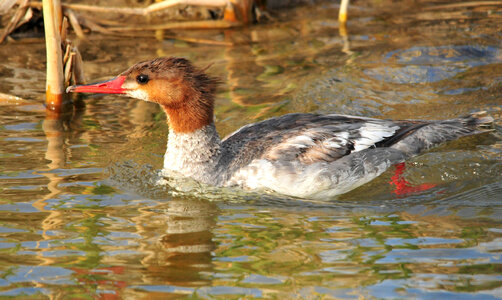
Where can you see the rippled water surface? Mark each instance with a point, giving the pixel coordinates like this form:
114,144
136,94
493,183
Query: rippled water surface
80,217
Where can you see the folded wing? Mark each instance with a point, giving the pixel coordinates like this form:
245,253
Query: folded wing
311,138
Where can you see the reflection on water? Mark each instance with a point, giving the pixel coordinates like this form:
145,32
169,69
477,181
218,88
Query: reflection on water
82,218
432,64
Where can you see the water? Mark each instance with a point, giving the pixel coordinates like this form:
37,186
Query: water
81,218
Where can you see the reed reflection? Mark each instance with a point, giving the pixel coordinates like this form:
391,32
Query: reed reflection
57,129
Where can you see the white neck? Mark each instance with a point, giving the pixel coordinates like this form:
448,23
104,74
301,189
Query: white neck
194,154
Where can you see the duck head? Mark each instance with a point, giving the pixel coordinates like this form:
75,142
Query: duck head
184,91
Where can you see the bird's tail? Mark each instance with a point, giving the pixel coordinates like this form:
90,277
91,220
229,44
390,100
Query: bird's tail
437,132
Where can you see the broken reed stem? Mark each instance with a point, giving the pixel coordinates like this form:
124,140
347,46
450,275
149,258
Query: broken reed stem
78,67
21,11
68,69
64,29
75,24
55,80
66,55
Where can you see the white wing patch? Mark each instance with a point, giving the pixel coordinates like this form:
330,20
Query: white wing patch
301,141
312,145
289,147
340,140
372,133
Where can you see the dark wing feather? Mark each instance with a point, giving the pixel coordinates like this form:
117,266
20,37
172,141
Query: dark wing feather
309,138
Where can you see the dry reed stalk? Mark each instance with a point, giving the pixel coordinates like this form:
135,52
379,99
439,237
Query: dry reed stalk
138,11
75,24
55,79
66,54
89,23
64,29
78,67
206,24
13,24
58,15
237,13
100,20
342,14
6,99
170,3
236,10
6,5
68,69
92,8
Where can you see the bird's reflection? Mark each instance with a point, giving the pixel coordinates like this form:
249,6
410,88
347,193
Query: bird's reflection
182,254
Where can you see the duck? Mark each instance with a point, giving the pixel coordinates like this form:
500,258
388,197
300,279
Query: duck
303,155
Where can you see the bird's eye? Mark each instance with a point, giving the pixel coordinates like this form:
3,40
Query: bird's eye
142,78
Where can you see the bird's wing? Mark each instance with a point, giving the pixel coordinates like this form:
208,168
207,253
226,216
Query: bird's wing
311,138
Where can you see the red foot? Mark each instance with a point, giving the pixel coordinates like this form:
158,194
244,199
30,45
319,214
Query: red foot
403,187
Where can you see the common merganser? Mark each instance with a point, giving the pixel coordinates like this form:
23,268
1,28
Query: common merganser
300,154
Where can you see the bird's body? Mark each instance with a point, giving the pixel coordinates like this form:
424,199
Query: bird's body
302,155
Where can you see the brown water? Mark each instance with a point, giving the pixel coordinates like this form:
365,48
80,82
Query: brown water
80,218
